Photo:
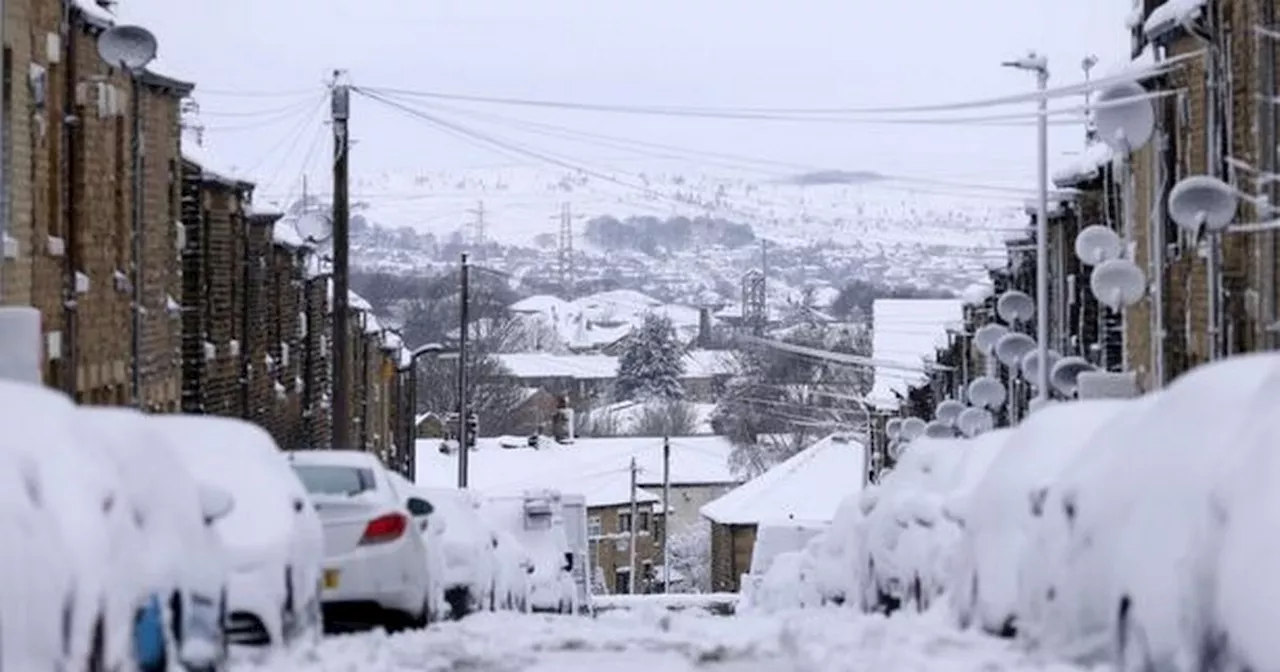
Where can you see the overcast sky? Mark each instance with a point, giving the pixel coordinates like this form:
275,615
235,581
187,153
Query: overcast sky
721,53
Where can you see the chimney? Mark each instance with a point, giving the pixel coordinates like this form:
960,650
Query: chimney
704,327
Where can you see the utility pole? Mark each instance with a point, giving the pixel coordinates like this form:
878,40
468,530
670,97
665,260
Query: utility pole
341,112
4,176
464,299
666,514
477,235
135,148
635,511
567,280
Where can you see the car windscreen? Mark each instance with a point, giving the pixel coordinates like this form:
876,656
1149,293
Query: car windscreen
335,480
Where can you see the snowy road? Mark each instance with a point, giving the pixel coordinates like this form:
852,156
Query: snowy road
661,642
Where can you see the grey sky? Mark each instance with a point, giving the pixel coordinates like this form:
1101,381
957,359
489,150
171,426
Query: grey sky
673,52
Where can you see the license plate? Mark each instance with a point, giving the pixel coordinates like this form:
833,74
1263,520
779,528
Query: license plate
330,579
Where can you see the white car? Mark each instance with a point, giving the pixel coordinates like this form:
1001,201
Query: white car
435,524
272,535
36,581
375,563
184,565
468,543
79,488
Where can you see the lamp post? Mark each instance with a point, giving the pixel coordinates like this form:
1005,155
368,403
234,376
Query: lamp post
411,422
132,48
1040,65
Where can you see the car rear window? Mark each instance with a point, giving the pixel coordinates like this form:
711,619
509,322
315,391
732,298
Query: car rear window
335,480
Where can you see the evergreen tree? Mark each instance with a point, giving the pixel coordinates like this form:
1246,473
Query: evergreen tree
652,362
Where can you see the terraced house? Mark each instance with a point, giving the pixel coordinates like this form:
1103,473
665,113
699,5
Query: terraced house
232,310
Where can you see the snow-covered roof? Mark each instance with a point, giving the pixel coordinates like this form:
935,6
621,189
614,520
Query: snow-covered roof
904,333
285,233
533,365
211,167
596,468
541,303
1084,167
626,415
807,487
1169,15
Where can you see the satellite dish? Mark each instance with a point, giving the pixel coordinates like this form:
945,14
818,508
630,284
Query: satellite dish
1014,307
987,392
1118,283
1201,200
1066,371
986,337
1031,365
948,411
314,227
975,421
127,47
912,428
977,293
893,428
1126,126
939,430
1096,244
1012,347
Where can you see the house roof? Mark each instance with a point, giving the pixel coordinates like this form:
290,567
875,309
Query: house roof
531,365
598,469
904,335
809,486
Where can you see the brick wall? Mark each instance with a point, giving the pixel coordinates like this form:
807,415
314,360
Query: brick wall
731,548
316,403
23,36
610,550
285,343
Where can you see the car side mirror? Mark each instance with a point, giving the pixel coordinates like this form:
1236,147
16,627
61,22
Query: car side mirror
299,504
419,507
215,503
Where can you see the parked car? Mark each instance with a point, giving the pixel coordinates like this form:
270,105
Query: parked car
375,557
272,536
37,588
184,568
535,520
79,487
468,544
435,524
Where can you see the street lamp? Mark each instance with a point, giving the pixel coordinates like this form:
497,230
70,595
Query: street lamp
132,48
1040,65
410,367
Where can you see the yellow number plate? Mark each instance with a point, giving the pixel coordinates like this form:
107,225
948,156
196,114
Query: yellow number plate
330,579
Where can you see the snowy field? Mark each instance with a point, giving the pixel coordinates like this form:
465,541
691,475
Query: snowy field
658,641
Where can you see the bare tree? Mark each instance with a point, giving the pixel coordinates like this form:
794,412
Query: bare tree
666,418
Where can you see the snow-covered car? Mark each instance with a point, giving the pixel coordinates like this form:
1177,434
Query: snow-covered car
272,536
37,590
375,564
900,515
512,567
183,567
80,488
468,544
789,583
434,525
535,520
1002,510
1141,517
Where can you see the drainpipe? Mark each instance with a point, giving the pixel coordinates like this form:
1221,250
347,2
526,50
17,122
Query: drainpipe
1267,141
246,276
71,247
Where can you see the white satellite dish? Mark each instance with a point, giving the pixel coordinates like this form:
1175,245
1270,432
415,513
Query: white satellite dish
939,430
1015,307
987,392
127,47
1127,126
975,421
314,227
1201,200
1065,373
912,428
893,428
1031,364
1012,347
986,337
977,293
948,411
1096,244
1118,283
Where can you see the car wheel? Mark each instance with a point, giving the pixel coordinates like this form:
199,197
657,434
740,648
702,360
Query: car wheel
1132,651
98,649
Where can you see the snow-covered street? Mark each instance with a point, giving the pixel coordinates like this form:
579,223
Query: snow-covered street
811,640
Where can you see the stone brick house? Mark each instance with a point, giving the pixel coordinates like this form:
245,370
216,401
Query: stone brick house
71,205
609,543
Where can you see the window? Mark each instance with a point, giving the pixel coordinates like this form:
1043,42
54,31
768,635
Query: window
624,522
332,480
594,528
622,581
644,521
